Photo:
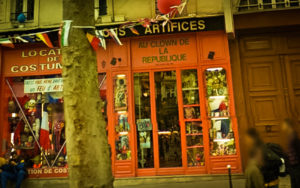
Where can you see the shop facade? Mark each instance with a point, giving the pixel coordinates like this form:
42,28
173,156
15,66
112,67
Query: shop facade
168,101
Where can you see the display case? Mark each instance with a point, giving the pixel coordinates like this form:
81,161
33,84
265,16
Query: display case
221,135
192,118
36,120
122,127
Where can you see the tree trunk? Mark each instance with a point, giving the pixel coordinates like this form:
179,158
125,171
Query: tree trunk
88,152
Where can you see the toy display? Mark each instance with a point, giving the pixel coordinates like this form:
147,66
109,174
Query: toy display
120,93
191,112
195,157
122,148
123,125
221,138
220,133
193,127
216,83
190,90
45,116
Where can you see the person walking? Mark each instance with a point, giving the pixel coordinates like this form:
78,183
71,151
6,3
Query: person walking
288,128
253,174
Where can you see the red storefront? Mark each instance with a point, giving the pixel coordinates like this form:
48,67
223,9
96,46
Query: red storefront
170,106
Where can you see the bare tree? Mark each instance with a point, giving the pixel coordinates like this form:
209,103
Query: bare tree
87,146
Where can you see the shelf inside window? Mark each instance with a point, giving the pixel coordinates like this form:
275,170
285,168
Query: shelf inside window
194,134
200,146
191,105
189,89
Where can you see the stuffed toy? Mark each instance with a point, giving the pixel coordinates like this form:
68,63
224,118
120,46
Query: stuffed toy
30,106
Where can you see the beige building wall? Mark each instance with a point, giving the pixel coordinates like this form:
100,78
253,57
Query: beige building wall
48,13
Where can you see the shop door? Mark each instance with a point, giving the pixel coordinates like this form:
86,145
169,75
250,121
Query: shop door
157,120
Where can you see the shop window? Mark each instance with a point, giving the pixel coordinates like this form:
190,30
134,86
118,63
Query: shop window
122,126
221,133
192,118
248,5
167,119
143,120
39,136
22,6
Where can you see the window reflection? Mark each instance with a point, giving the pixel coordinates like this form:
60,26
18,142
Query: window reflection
143,120
167,119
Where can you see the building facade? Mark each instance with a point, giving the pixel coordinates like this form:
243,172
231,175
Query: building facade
177,99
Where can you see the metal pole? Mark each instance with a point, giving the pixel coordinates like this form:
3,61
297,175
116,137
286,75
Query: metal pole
26,121
229,175
62,147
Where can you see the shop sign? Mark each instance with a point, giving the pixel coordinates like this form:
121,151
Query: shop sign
163,51
43,85
48,172
174,26
32,62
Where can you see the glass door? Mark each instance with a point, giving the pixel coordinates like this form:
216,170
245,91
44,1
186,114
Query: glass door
155,96
167,119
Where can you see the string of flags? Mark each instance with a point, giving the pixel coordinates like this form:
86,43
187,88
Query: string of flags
48,37
97,39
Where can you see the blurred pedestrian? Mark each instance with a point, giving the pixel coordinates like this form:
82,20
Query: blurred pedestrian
15,171
288,128
254,176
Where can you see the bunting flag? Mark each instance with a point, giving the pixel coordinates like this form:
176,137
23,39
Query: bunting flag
27,38
134,31
44,37
114,35
100,35
179,7
65,32
94,41
21,39
6,42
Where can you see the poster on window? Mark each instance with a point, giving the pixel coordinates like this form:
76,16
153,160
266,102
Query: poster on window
144,124
120,93
43,85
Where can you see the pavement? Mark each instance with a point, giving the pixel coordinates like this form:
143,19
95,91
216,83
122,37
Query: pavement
199,181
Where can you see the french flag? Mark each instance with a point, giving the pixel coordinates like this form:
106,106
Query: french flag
44,134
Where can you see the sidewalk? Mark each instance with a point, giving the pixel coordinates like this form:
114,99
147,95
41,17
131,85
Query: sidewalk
200,181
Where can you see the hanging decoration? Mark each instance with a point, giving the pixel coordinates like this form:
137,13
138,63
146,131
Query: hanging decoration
44,37
65,32
99,34
94,41
114,36
7,43
169,8
165,6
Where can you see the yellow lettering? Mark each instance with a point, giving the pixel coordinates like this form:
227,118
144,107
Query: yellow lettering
32,53
58,51
184,26
43,52
156,28
51,52
193,25
148,30
14,69
201,24
23,54
122,32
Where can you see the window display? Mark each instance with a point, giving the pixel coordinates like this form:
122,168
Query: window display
192,118
41,132
220,133
122,126
120,93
